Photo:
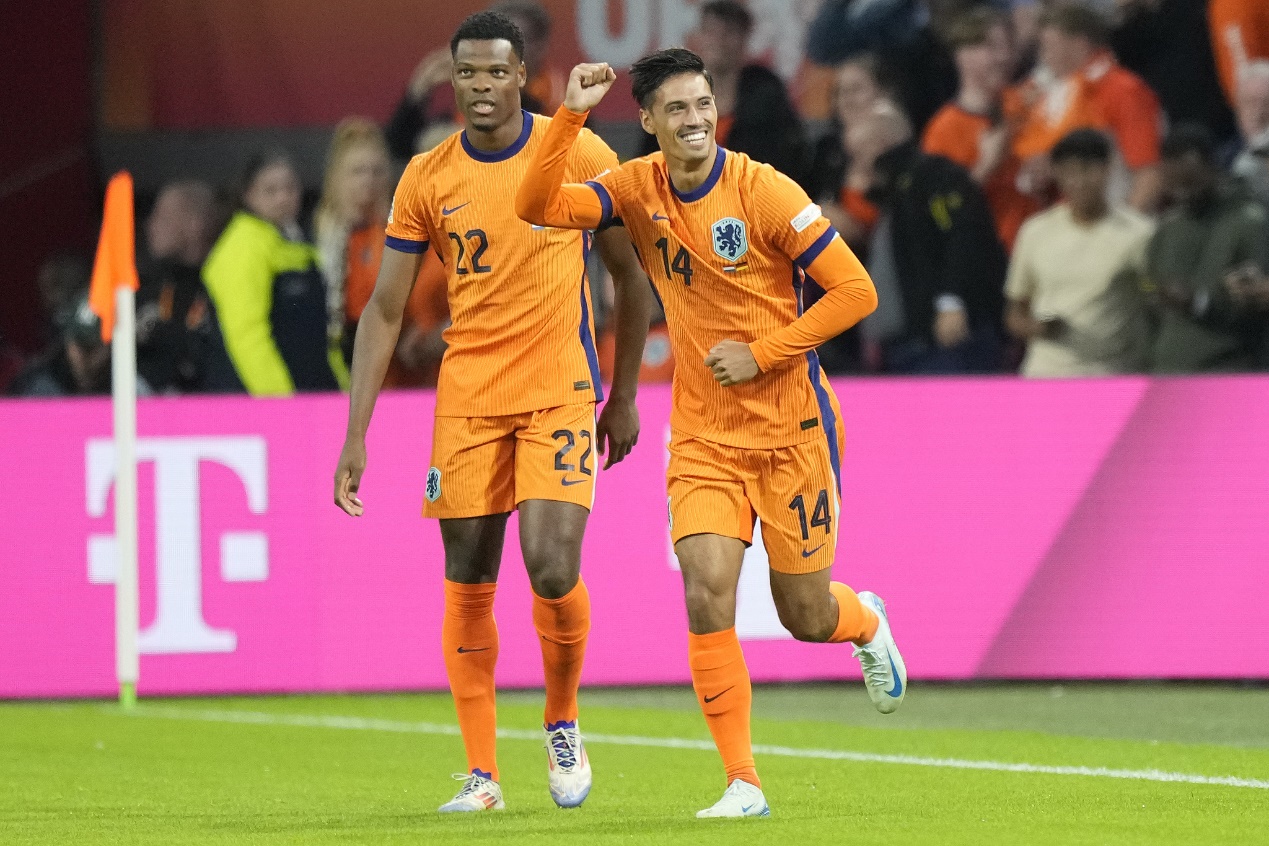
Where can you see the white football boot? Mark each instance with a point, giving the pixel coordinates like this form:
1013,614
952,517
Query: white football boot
884,671
479,793
742,799
568,766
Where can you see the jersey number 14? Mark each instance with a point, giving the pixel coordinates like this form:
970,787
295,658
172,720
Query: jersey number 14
681,265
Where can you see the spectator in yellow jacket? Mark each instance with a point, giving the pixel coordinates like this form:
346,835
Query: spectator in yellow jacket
268,292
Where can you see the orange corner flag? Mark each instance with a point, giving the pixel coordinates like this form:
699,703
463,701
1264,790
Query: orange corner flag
116,264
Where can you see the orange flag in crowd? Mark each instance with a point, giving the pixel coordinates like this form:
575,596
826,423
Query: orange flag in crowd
116,264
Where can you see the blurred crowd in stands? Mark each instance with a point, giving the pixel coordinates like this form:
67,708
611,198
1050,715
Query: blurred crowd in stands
1062,188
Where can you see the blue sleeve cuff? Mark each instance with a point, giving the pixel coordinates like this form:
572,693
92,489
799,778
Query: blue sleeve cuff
811,253
605,200
406,245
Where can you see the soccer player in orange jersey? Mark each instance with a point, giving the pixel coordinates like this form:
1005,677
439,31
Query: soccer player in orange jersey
515,405
756,430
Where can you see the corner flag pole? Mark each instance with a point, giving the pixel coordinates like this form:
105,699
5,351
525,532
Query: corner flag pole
111,296
123,352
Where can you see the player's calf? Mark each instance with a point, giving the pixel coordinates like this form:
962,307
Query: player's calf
809,621
806,605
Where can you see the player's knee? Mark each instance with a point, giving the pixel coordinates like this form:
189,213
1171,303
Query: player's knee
709,605
552,576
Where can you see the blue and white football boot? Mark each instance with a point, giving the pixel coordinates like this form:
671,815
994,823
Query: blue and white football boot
884,671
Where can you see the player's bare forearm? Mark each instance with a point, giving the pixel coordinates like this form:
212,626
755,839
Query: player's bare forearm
543,198
377,334
632,310
849,298
618,426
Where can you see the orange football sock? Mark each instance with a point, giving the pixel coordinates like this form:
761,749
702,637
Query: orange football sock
469,639
562,626
856,622
721,681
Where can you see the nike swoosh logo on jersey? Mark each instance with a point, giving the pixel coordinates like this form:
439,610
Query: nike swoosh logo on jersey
570,482
462,650
447,212
658,216
806,554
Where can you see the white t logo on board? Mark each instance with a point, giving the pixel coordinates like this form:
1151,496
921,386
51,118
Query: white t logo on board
178,625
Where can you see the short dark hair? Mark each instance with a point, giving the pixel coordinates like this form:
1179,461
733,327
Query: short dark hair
973,27
528,11
488,26
1078,19
1187,138
1085,145
729,12
648,74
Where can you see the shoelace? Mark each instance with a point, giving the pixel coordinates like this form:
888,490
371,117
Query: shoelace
564,742
876,670
473,784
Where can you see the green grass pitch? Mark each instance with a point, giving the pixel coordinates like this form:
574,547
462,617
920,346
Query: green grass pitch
371,769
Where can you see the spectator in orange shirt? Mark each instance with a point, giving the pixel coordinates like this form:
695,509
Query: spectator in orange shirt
1240,35
349,221
971,130
1078,83
355,193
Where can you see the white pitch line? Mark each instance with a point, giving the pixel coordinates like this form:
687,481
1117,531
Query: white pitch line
400,727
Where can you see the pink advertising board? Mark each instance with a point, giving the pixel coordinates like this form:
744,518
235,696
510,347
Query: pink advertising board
1077,529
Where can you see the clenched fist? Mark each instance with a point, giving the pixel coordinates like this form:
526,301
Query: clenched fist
587,85
732,363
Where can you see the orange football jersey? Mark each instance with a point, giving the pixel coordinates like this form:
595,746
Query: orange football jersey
522,337
727,261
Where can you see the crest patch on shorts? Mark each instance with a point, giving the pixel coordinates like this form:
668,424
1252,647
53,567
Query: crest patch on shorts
433,489
730,240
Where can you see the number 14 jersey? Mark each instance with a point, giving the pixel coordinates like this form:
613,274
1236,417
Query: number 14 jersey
728,260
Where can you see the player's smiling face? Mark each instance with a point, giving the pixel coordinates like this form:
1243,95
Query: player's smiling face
487,77
683,117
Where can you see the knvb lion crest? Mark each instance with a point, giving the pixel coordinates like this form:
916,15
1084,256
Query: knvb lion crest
730,240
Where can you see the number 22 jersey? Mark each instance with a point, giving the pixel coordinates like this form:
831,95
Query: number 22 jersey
522,336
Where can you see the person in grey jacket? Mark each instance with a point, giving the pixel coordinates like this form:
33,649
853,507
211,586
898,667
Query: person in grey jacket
1214,229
